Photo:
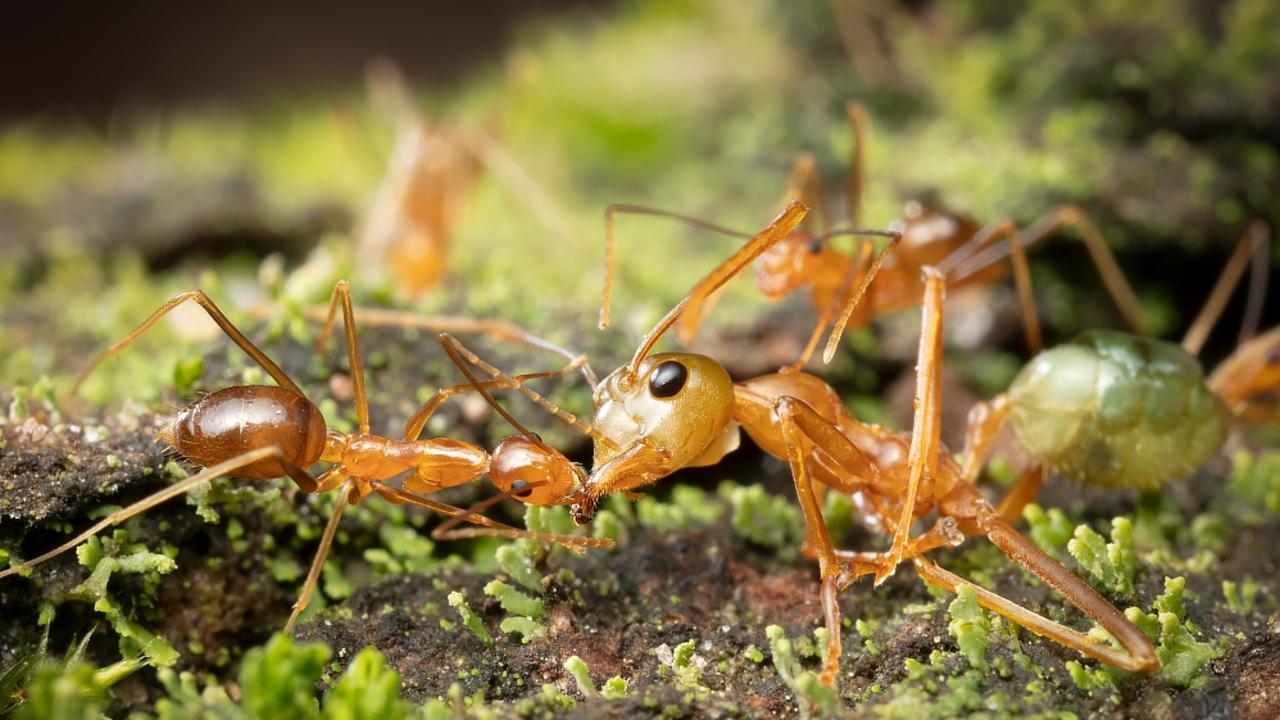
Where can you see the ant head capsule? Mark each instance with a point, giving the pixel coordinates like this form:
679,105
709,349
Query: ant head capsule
533,473
675,412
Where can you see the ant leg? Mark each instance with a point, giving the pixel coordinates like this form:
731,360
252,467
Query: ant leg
986,419
1024,491
1252,370
781,226
805,187
1139,655
1253,246
857,162
218,317
922,459
322,553
488,527
1112,276
837,330
160,496
342,295
499,330
1004,227
615,209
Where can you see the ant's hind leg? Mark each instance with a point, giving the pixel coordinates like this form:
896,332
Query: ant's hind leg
1139,655
1251,371
342,296
1253,246
231,331
322,552
179,488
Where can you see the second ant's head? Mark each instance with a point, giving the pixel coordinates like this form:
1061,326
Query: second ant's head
534,473
674,411
793,262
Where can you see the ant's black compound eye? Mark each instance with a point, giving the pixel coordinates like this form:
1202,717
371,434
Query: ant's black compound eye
815,246
521,488
667,379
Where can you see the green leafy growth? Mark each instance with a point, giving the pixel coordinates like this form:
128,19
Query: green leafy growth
1241,598
689,508
687,673
528,628
58,692
404,550
186,701
514,601
1255,480
1089,679
279,679
615,688
368,690
1180,653
581,674
1051,530
768,520
1112,564
517,562
970,626
105,557
812,696
469,618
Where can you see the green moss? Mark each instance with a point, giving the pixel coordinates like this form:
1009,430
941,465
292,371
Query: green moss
811,695
63,693
514,601
469,618
1051,530
969,626
581,674
1181,655
768,520
1112,564
368,690
516,561
1241,598
689,508
528,628
279,679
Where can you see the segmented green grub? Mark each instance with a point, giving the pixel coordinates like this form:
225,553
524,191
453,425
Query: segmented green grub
1114,409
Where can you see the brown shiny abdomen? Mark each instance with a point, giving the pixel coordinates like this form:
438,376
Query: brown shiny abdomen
235,420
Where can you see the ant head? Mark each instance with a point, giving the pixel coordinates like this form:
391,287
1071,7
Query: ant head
532,472
675,411
790,263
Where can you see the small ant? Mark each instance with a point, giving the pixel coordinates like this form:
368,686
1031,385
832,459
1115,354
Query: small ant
929,234
430,175
1109,408
666,411
261,432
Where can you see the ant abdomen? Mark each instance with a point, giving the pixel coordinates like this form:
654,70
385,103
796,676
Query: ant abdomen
235,420
1110,408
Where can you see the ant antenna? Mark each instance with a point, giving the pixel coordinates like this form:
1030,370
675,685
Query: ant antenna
837,330
783,224
479,387
450,342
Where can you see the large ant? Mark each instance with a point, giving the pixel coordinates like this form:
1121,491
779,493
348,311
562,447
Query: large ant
666,411
1115,409
930,234
261,432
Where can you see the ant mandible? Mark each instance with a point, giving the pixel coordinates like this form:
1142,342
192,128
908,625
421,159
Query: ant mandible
666,411
261,432
930,234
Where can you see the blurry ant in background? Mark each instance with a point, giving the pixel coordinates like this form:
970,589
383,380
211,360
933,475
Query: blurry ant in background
429,179
930,234
662,412
261,432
